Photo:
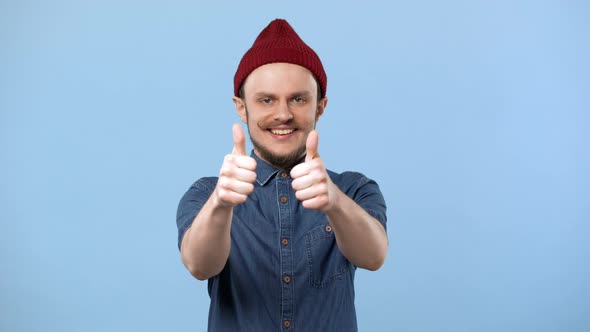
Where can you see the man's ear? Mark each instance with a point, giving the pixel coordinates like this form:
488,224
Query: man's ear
241,108
321,107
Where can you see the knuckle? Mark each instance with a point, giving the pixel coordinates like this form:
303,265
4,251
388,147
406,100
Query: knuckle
246,160
222,194
252,177
318,175
222,183
225,170
246,176
238,199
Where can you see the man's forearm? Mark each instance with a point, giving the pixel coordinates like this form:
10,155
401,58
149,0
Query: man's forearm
360,237
206,244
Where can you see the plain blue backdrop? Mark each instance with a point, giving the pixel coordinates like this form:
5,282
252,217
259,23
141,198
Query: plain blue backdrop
471,115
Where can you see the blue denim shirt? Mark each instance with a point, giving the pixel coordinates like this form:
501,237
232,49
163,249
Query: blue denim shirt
285,271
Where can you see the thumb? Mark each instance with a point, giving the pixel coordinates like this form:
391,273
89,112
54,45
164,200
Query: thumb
239,140
311,146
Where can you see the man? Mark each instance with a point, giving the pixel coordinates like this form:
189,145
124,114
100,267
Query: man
277,235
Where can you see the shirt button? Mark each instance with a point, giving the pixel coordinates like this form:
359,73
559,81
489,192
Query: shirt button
287,279
287,324
285,242
283,199
328,228
284,174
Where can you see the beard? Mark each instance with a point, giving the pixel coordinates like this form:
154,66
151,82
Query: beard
280,161
283,162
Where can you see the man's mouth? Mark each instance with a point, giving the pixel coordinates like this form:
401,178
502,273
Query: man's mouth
282,132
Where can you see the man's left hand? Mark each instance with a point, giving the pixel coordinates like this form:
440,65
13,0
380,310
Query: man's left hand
311,182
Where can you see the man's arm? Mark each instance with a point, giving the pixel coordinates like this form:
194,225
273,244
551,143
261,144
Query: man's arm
206,244
360,237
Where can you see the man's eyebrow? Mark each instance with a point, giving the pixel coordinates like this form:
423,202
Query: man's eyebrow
304,93
264,94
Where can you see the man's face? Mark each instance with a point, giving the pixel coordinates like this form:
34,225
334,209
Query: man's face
280,107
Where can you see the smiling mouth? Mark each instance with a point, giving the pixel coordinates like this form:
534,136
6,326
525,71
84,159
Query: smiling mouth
282,132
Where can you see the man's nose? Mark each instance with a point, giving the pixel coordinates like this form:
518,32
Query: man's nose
282,112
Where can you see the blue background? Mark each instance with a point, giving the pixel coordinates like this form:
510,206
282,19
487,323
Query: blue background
471,115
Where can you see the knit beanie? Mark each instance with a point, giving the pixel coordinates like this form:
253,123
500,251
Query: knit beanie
278,42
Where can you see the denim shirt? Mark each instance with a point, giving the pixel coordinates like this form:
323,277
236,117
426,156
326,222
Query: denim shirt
284,271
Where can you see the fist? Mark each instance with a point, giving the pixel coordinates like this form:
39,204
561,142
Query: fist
311,182
237,174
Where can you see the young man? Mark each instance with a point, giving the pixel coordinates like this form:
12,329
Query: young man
277,235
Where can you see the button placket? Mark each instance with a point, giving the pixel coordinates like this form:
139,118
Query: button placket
285,224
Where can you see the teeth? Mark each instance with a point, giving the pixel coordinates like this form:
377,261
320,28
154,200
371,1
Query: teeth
281,131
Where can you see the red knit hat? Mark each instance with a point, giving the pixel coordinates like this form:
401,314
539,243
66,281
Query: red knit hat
278,42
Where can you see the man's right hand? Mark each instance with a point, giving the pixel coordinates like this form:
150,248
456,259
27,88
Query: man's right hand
237,174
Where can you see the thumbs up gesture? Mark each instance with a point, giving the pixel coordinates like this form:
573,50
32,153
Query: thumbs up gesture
237,174
311,182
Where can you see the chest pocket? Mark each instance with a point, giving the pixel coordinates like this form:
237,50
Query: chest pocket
326,263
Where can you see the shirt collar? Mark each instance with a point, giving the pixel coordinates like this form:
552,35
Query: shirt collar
264,170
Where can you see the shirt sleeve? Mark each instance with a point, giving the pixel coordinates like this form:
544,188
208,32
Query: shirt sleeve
191,203
366,193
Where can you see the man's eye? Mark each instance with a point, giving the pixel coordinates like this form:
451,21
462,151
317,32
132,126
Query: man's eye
265,100
299,100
